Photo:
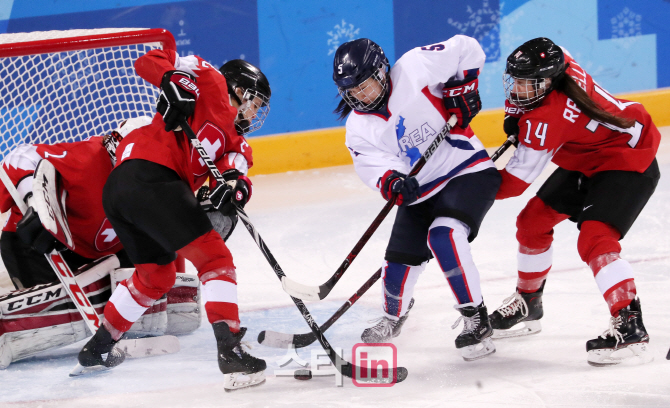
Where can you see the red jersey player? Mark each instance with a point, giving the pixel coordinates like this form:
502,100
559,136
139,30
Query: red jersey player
605,149
83,168
150,202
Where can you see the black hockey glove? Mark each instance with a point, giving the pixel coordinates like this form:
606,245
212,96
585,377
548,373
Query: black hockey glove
511,123
32,232
461,98
234,193
395,183
223,224
177,99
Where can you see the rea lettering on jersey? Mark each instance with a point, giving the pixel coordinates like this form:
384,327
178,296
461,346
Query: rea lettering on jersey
106,237
213,141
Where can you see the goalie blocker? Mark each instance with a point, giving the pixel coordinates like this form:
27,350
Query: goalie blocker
44,317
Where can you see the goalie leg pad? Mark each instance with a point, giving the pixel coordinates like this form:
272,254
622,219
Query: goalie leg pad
44,317
178,312
184,314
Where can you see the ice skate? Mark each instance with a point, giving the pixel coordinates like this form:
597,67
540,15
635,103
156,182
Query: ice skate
240,369
626,340
524,309
385,329
474,342
98,354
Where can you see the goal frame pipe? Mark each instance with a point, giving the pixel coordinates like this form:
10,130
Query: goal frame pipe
86,42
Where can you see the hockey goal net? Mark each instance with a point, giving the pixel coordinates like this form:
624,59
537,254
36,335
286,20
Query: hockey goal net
64,86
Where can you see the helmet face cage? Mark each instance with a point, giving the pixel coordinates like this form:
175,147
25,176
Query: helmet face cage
525,93
373,89
253,111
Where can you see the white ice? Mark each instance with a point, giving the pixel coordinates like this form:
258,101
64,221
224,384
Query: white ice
310,220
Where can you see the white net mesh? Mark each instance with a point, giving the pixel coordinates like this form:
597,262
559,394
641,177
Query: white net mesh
69,96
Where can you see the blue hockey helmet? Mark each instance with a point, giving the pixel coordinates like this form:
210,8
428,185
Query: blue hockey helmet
354,63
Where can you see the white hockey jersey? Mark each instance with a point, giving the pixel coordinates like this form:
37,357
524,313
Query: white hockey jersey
380,141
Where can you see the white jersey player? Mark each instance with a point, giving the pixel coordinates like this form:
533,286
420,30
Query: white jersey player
397,113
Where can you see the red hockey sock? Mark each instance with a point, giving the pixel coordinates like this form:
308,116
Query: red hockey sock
214,263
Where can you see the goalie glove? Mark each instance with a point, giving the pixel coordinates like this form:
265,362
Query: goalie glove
177,99
32,232
461,98
234,193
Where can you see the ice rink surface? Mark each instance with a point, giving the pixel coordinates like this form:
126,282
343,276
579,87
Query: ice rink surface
310,220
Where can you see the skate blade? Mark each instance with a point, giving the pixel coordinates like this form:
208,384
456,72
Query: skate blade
236,381
634,354
529,327
149,346
478,351
80,370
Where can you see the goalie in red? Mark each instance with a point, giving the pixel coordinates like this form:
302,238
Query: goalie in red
150,202
605,149
39,315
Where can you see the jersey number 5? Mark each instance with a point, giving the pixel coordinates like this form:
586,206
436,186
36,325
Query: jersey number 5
634,131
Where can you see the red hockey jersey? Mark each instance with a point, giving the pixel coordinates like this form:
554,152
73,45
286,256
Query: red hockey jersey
84,168
213,122
558,131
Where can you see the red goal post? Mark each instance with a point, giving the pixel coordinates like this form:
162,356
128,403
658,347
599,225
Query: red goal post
64,86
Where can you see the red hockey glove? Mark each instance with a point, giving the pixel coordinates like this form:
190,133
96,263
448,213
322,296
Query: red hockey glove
236,192
461,98
395,183
177,99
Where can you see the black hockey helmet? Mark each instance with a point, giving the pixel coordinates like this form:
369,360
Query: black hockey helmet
256,93
356,61
534,62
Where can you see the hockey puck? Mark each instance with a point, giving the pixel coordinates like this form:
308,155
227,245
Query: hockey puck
303,375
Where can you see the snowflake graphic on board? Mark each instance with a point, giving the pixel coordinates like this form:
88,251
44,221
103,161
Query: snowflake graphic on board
484,25
627,25
341,33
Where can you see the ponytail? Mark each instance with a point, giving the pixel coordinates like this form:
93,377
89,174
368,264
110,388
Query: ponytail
343,109
572,90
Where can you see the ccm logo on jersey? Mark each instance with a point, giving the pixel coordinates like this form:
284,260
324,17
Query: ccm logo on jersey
106,237
471,87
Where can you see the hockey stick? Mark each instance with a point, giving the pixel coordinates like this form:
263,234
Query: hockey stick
133,348
282,340
306,292
345,367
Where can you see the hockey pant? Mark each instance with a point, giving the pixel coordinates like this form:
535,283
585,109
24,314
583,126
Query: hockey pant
448,241
598,246
149,282
44,317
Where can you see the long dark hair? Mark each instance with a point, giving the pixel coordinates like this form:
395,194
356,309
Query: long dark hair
343,109
591,108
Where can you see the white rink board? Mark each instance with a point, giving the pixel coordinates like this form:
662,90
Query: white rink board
310,220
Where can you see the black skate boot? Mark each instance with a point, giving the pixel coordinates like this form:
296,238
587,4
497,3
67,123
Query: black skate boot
474,342
98,354
625,340
523,308
241,370
385,329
